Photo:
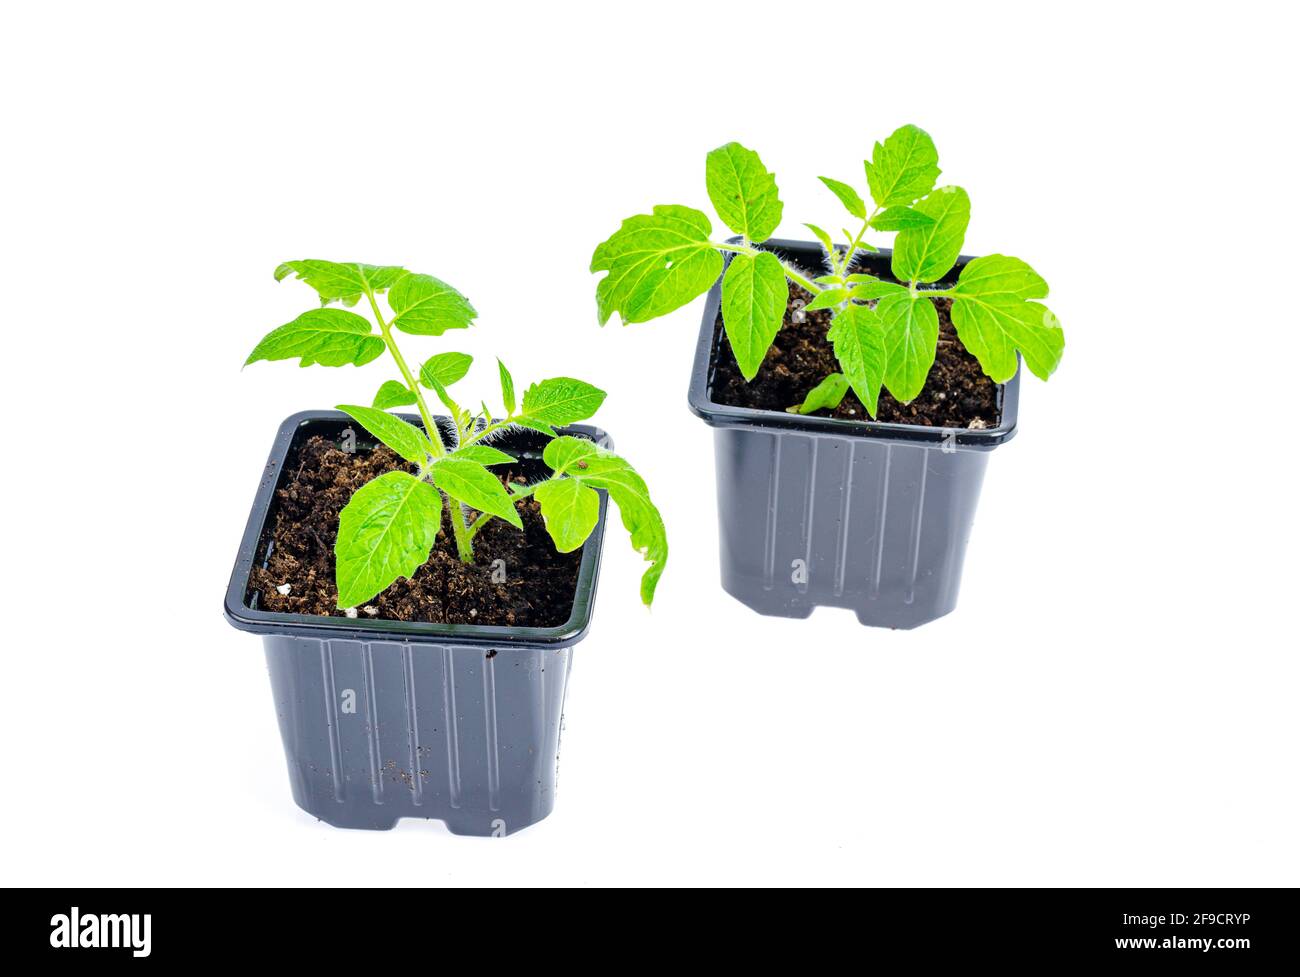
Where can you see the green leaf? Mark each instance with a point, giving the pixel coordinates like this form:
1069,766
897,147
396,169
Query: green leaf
848,197
900,219
826,395
561,400
483,454
903,168
743,192
330,337
754,295
858,339
822,236
570,510
469,482
507,388
393,394
445,397
406,440
386,531
994,317
640,517
568,454
425,306
656,263
583,461
829,280
827,299
344,281
925,254
911,338
999,276
445,368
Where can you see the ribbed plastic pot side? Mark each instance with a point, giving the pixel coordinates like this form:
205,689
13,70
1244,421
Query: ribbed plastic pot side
383,720
816,511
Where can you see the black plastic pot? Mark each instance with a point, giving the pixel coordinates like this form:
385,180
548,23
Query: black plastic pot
386,719
819,511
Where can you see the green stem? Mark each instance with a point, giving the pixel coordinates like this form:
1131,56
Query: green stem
464,538
799,279
790,273
853,245
430,431
490,429
464,549
477,524
487,517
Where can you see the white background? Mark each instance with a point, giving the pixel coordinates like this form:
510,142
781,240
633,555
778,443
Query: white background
1113,701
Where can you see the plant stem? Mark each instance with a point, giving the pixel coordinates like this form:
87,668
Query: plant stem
464,548
853,245
464,538
430,431
489,429
476,525
799,279
790,273
484,517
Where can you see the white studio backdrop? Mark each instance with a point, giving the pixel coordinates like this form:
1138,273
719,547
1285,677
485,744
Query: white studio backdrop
1113,701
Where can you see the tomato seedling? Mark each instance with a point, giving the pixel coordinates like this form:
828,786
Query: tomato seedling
884,333
388,528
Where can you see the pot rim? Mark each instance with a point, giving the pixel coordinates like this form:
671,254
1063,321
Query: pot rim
722,415
256,621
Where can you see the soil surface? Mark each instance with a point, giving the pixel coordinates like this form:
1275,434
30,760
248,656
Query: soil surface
539,583
956,394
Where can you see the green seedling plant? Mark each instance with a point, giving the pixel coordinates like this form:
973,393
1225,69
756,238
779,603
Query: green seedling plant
883,333
389,526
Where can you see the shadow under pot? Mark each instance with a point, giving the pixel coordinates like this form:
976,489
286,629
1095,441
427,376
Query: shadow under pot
388,719
829,511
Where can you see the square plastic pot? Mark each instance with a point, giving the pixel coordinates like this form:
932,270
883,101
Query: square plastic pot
384,720
817,511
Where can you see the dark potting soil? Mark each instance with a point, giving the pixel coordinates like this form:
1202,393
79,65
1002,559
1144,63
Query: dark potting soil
539,583
957,393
